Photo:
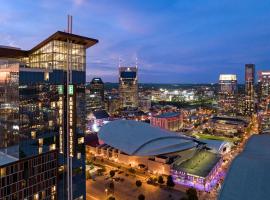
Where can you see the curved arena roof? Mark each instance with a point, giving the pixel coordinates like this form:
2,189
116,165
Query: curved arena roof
142,139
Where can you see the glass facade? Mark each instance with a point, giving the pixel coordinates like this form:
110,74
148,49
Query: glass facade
33,111
42,118
9,108
53,55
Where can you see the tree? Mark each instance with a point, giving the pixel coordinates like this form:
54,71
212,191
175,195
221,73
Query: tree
141,197
192,194
111,198
112,173
160,180
170,182
100,171
111,186
138,183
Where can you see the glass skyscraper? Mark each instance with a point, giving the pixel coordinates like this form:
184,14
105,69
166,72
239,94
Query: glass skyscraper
39,130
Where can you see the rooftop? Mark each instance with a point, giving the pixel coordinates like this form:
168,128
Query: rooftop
6,158
227,77
168,115
248,176
142,139
11,52
200,164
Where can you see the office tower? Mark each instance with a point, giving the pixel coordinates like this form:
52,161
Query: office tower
227,94
128,87
249,89
263,87
42,119
95,95
112,103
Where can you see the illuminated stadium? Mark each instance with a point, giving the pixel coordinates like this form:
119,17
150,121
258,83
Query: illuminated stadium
149,140
202,171
135,144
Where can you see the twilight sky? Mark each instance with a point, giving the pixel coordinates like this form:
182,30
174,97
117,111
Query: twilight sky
176,41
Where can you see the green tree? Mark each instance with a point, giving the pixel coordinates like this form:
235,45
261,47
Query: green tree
192,194
160,180
112,173
170,182
138,183
141,197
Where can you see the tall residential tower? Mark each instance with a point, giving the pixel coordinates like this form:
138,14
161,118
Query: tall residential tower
227,94
95,95
42,119
249,89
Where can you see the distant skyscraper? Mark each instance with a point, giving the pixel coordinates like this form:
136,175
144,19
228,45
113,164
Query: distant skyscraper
95,95
42,119
263,87
227,94
128,87
249,89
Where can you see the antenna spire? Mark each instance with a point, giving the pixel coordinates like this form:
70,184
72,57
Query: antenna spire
119,62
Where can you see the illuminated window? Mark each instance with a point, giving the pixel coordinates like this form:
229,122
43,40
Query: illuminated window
36,197
46,76
33,134
40,141
3,172
81,140
52,147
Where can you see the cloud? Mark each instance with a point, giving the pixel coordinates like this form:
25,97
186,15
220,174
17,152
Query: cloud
78,2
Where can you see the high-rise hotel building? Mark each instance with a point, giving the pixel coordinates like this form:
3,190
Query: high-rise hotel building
42,119
128,87
264,101
95,95
249,89
227,94
263,87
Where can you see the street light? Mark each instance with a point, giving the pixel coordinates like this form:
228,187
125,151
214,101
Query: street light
106,191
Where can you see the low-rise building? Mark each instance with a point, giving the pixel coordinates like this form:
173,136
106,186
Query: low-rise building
172,121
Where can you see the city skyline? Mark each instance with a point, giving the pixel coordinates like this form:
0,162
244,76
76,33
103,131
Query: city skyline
193,42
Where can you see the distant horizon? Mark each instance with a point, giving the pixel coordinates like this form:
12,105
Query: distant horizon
88,81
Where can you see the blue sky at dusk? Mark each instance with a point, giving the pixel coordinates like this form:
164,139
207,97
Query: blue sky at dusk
176,41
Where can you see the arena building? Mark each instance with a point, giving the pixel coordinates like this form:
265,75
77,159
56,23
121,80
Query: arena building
157,151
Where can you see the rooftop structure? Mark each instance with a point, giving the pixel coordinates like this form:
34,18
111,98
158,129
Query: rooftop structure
6,158
248,175
122,134
12,52
200,164
171,121
168,114
227,77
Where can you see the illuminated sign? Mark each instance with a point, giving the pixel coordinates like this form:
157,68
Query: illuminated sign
71,89
60,89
